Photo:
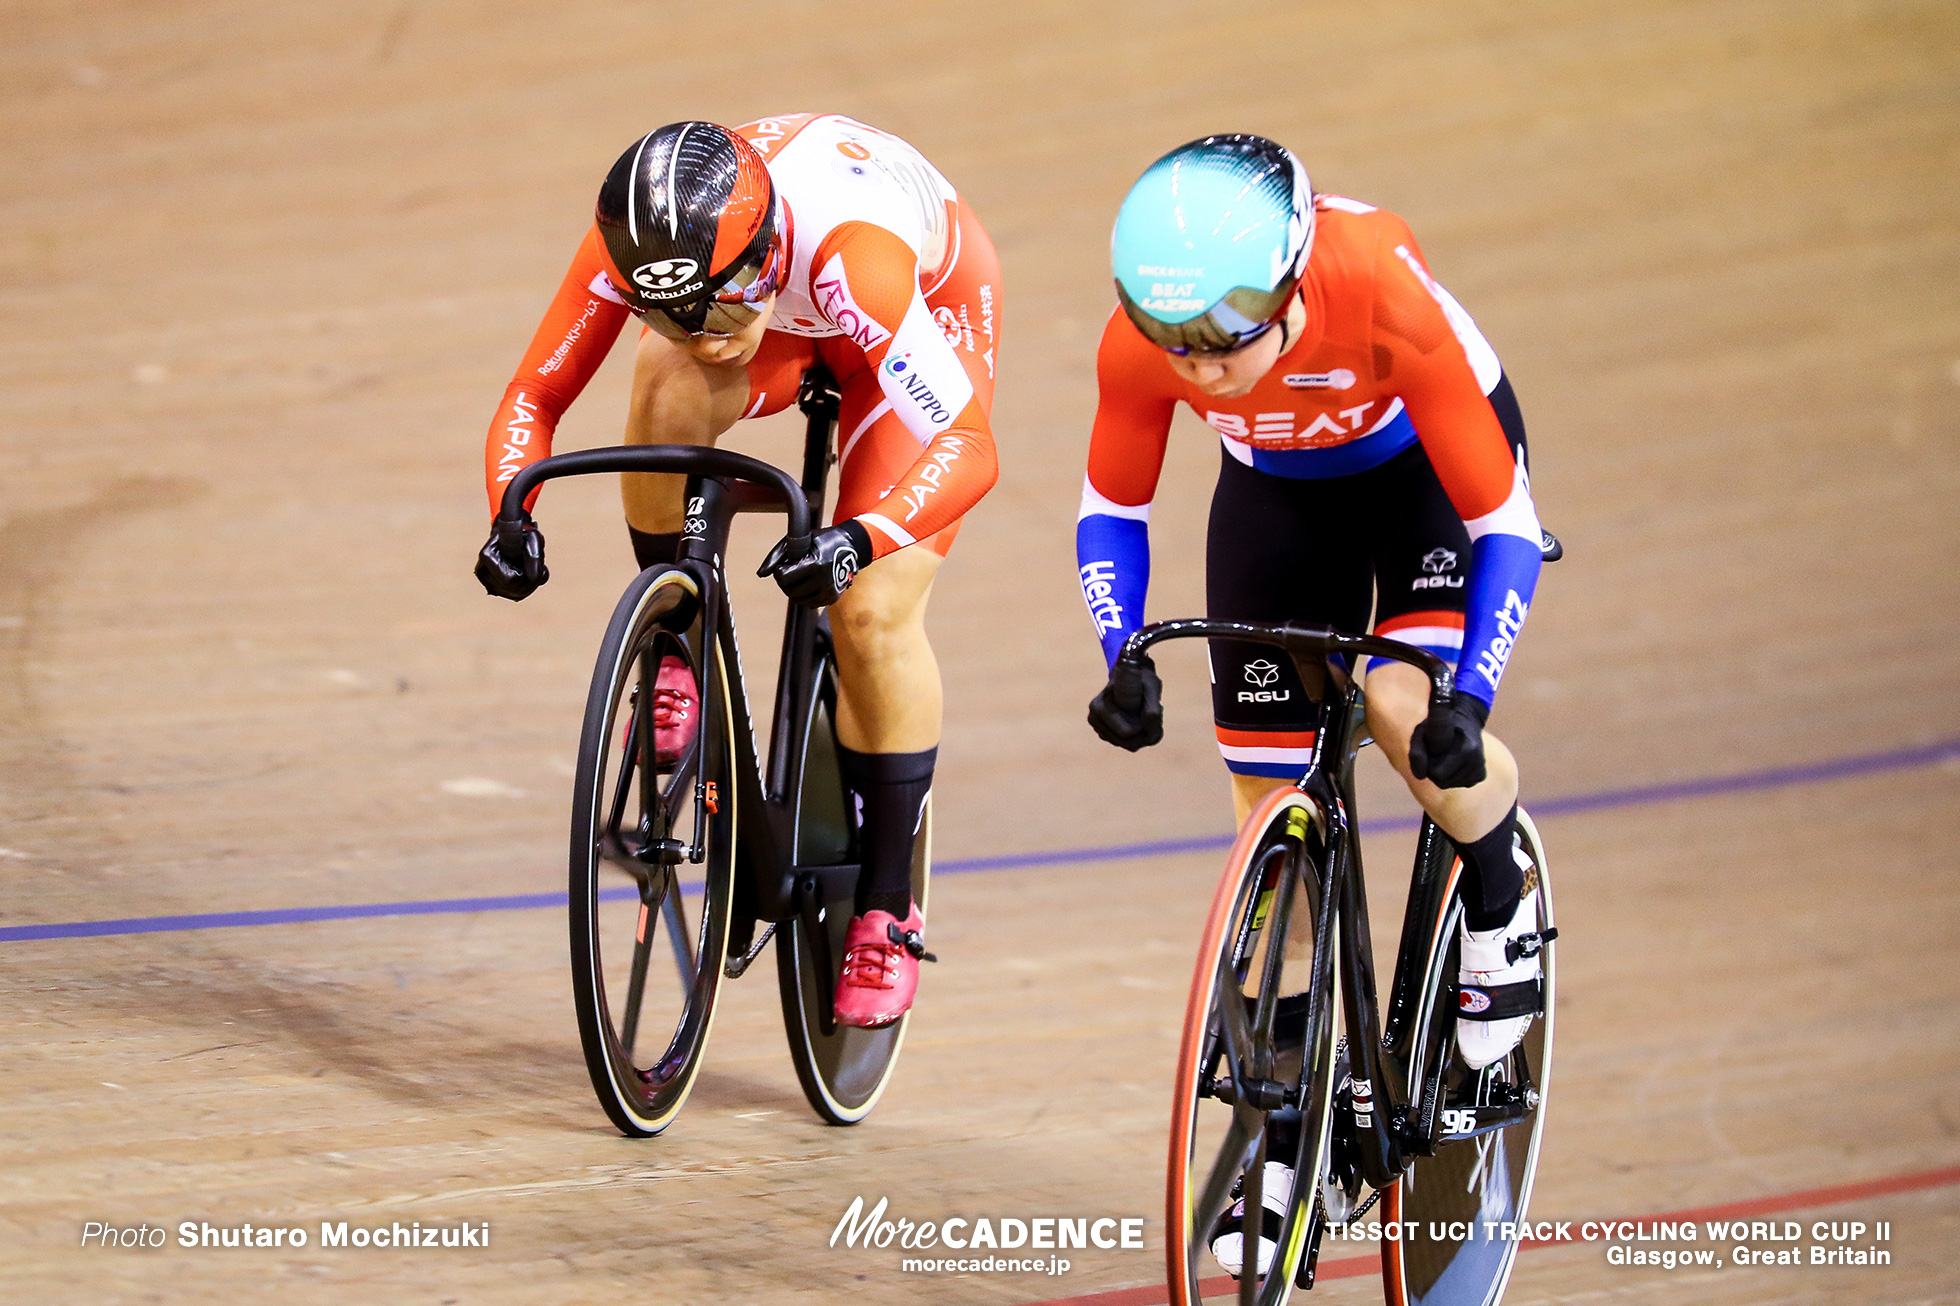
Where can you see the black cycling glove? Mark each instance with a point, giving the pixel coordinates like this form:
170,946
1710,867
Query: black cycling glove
511,565
818,576
1129,712
1448,747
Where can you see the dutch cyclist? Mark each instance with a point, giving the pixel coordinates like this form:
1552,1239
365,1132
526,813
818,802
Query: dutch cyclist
749,255
1373,465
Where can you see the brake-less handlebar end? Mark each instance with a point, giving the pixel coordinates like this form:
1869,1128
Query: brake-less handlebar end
790,546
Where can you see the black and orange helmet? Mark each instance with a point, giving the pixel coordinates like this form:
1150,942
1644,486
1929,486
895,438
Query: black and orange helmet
693,230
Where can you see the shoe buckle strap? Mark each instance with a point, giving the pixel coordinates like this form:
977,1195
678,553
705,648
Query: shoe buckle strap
1482,1002
910,940
1528,945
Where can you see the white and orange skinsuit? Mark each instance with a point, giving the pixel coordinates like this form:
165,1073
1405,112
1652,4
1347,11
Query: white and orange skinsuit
892,283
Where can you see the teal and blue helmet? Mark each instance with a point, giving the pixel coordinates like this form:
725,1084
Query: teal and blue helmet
1211,242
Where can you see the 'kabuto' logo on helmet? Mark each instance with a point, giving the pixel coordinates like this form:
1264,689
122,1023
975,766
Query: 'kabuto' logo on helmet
666,278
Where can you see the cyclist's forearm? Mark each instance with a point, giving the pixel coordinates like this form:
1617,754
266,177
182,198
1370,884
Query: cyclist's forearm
1504,566
955,472
1112,558
520,434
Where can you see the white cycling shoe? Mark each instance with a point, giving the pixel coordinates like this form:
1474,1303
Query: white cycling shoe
1227,1235
1498,979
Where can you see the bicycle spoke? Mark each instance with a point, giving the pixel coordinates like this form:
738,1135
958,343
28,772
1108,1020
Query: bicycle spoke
1279,921
670,909
1237,1029
1252,1225
636,985
623,784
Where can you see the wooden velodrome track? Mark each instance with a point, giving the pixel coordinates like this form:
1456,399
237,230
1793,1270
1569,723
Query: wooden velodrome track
264,276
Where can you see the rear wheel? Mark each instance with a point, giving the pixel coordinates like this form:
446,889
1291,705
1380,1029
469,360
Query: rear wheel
1256,1069
651,862
1488,1177
844,1070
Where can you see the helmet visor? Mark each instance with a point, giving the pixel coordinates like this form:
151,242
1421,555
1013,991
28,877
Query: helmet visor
1234,321
728,310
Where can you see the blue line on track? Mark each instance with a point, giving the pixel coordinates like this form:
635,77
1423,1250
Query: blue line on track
1903,759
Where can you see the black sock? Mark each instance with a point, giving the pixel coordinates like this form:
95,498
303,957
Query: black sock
1492,880
650,549
891,790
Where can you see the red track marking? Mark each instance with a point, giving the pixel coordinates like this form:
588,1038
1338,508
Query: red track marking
1353,1266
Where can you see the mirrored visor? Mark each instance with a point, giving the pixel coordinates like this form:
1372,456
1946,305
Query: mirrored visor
1236,320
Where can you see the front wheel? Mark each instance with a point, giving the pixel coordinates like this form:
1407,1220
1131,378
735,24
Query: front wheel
1482,1181
844,1070
648,835
1256,1069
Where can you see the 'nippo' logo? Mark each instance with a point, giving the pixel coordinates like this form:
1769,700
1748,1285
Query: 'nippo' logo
1261,673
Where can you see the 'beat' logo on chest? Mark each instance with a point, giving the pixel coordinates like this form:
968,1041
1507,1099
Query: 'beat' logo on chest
1284,429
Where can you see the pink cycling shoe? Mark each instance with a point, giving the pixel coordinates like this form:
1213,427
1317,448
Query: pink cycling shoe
881,968
676,710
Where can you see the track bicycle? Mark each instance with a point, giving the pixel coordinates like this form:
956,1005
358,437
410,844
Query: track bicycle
1286,1056
766,839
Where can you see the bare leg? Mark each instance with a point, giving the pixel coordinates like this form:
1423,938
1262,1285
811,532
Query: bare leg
1248,790
888,679
1398,700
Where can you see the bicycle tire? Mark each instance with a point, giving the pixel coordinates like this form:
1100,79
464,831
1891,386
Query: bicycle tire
1273,846
1488,1178
844,1070
626,901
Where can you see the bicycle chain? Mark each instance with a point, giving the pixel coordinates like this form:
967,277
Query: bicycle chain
735,967
1362,1209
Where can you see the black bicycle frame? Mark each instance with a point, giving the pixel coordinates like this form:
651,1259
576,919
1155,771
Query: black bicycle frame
721,483
1387,1135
